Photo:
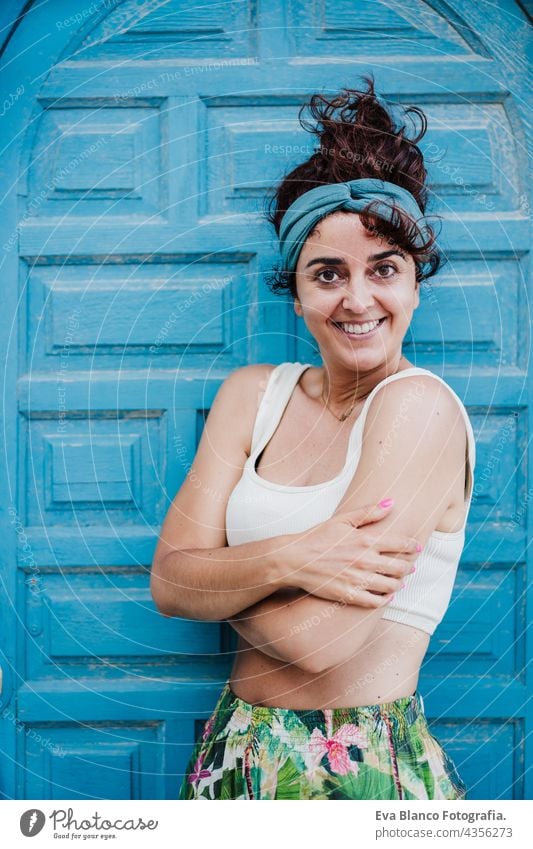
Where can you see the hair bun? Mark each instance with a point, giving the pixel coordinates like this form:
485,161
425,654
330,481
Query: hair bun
360,134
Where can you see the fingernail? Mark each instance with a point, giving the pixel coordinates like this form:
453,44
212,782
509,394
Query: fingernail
386,502
412,570
402,586
418,547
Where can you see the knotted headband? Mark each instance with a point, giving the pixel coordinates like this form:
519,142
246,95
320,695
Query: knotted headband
307,210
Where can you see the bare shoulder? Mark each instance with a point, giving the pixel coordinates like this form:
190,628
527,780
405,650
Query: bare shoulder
241,392
248,383
250,376
423,402
418,391
413,448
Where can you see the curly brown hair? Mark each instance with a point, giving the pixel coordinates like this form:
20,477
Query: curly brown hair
359,137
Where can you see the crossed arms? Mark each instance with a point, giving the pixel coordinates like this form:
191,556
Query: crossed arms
413,450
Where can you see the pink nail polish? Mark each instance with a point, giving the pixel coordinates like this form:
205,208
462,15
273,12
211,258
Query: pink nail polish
412,570
386,502
418,547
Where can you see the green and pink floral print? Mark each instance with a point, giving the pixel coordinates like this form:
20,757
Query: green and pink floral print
381,751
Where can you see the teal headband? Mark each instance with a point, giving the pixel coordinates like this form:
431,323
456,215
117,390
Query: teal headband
307,210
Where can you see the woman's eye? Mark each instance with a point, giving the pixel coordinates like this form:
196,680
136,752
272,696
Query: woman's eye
327,275
386,270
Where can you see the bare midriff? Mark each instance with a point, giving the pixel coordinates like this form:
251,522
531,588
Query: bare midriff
385,668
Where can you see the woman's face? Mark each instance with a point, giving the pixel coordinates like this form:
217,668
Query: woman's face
345,274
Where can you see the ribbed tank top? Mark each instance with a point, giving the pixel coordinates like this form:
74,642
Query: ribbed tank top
258,508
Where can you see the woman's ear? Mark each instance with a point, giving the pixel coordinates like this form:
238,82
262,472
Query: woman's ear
297,307
417,294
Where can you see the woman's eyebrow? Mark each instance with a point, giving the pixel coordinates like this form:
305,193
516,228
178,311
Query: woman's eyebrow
329,260
333,260
387,253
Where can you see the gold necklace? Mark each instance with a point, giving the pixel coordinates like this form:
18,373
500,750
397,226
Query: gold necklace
344,415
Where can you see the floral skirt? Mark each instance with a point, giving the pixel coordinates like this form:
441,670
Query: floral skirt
381,751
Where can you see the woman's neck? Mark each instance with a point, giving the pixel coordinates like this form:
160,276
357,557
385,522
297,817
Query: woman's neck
339,389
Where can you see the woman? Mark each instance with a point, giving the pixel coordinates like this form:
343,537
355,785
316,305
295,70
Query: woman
283,530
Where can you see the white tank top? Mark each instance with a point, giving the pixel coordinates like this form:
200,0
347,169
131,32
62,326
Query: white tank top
258,508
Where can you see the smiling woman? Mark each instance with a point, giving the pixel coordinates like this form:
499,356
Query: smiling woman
353,295
310,565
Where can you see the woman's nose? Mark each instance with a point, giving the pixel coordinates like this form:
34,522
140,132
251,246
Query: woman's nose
357,295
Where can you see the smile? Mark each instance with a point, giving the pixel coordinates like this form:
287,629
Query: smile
359,331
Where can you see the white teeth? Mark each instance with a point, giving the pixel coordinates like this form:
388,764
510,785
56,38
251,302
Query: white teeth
359,329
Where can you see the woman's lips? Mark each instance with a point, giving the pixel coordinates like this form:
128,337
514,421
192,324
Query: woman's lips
361,336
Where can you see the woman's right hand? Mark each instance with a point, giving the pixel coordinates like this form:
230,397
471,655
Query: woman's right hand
346,560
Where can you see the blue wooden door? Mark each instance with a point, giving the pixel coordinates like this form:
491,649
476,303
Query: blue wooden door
139,141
